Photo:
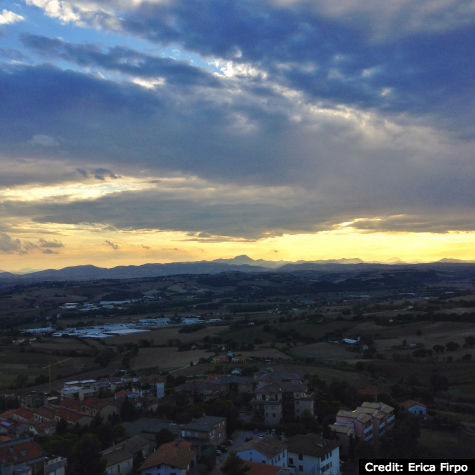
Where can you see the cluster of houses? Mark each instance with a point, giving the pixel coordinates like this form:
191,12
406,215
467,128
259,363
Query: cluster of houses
23,456
278,396
368,421
143,391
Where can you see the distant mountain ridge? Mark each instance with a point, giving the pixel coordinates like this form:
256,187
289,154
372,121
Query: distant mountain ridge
240,263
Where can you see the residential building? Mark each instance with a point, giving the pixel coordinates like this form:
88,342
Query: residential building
21,456
277,401
310,454
118,460
205,430
382,415
32,399
361,424
99,407
415,408
55,466
120,457
176,457
268,450
371,419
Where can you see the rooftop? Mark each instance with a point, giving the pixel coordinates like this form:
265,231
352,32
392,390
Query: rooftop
177,454
205,423
311,444
268,446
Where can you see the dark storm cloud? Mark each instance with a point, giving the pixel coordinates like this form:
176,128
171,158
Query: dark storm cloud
120,59
257,213
322,57
354,120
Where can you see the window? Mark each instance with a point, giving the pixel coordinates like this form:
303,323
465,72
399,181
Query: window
291,460
300,457
300,468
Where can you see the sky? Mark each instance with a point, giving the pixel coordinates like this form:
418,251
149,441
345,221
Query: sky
136,131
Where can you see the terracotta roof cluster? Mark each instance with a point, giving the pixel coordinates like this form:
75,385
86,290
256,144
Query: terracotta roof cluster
19,414
95,403
19,451
177,454
70,403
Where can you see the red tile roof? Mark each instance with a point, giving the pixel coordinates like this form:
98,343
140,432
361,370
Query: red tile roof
68,415
96,403
177,454
262,468
409,403
45,412
19,413
70,403
20,452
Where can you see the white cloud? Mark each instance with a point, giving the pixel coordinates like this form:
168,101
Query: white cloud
7,17
393,18
43,140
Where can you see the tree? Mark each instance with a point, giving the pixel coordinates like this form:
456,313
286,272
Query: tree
438,383
470,340
402,441
127,410
86,458
452,346
234,465
163,436
61,426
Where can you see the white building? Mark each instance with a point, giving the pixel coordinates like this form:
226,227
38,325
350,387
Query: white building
266,450
310,454
415,408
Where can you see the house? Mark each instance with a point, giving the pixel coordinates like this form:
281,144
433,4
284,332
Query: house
205,430
382,414
371,419
120,457
21,456
176,457
344,435
99,407
282,400
32,399
20,414
118,460
72,417
268,404
415,408
268,450
361,424
55,466
310,454
43,414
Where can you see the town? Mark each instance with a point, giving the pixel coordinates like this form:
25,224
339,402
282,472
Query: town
235,374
